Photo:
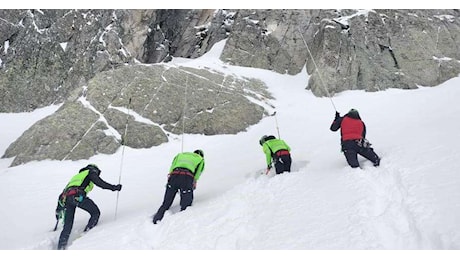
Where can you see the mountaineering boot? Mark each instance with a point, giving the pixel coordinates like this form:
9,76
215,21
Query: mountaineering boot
155,219
377,162
61,246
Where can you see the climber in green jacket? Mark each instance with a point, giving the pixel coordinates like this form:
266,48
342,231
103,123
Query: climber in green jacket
278,151
75,195
183,175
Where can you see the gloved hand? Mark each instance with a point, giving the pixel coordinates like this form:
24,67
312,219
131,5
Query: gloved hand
117,187
194,185
337,114
269,167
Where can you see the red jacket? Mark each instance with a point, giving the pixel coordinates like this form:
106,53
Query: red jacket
351,129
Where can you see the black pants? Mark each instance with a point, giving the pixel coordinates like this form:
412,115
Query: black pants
71,204
351,149
176,182
283,163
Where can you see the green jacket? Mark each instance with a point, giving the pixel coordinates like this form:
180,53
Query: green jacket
78,179
191,161
272,146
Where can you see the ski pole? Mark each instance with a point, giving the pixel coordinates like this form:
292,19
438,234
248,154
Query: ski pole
183,113
276,123
122,155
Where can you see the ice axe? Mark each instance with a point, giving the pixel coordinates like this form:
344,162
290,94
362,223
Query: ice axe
55,226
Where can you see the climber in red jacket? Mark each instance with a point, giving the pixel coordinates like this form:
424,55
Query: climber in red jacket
353,138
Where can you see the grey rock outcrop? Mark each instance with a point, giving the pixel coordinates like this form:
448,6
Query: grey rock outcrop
269,39
350,49
140,106
185,33
383,49
46,54
73,132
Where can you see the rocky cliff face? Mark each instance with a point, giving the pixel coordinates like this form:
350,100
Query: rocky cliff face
350,49
50,56
141,106
387,49
46,54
